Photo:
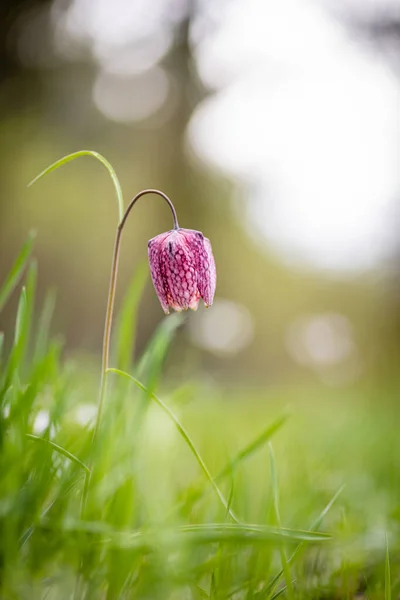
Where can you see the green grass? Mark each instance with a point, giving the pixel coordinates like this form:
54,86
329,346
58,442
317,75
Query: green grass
187,498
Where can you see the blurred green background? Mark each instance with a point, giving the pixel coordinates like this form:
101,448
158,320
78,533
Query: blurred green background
272,128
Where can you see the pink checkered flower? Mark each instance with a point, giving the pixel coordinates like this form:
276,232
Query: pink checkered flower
182,269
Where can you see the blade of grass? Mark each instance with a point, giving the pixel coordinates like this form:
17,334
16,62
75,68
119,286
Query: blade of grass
42,335
237,590
126,326
150,365
241,532
25,537
315,525
211,534
58,449
275,492
322,515
198,592
388,588
197,533
21,316
253,446
230,497
14,359
240,457
213,588
185,436
1,346
24,312
22,327
65,159
16,271
278,593
31,280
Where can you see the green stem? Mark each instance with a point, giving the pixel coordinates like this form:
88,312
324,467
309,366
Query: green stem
111,298
109,319
107,341
122,217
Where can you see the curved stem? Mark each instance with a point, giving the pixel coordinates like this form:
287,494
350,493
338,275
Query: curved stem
150,191
111,297
107,336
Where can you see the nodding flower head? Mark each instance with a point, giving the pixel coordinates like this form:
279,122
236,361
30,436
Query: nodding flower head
182,269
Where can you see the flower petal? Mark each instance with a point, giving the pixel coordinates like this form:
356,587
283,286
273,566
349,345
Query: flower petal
154,249
207,280
194,303
178,271
205,264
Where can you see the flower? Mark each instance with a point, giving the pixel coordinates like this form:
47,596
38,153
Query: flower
182,269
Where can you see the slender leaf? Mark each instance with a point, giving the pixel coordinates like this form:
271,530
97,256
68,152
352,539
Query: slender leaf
253,446
17,270
230,497
42,336
126,326
241,532
278,593
324,512
1,346
241,456
150,365
65,159
185,436
58,449
315,525
275,492
199,592
31,281
198,533
25,537
20,335
21,317
24,319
